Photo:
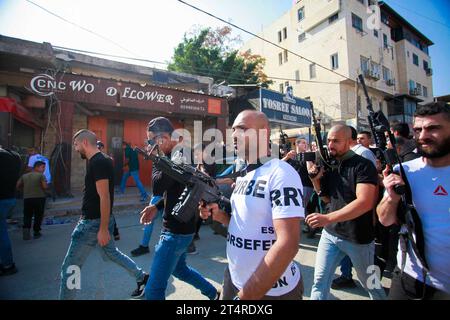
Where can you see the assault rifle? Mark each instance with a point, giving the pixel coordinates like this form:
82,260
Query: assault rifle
326,160
407,213
199,186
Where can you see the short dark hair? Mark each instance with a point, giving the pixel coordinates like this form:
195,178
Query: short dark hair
430,109
354,133
402,129
367,133
38,164
160,125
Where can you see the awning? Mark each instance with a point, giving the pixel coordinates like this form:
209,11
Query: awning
19,112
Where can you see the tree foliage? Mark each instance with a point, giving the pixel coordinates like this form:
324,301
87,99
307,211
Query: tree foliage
213,53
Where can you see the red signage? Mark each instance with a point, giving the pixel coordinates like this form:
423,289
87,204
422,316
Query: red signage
92,90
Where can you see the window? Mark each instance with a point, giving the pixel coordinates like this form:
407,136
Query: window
385,40
425,91
279,36
412,85
357,22
425,65
285,33
333,18
364,64
419,88
280,58
334,61
285,56
415,59
301,13
386,74
375,33
301,37
312,70
281,88
297,76
407,54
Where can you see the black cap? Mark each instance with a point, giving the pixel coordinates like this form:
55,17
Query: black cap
160,125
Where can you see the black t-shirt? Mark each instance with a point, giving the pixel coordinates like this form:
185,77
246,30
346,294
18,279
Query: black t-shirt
340,186
165,184
300,167
10,166
99,167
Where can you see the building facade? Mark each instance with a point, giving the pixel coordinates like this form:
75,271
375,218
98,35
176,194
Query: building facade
48,94
349,37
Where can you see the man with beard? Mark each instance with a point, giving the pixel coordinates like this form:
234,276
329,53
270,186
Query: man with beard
428,177
351,191
97,222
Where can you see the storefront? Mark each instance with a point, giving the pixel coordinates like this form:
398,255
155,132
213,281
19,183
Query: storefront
286,113
120,111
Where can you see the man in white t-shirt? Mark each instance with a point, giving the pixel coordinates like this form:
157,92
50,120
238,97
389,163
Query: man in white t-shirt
264,227
428,177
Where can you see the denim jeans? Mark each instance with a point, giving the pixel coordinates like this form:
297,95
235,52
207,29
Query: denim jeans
330,252
148,229
6,257
84,240
135,175
346,267
170,258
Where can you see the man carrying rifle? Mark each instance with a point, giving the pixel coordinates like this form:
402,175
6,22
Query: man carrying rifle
170,252
350,189
264,228
423,275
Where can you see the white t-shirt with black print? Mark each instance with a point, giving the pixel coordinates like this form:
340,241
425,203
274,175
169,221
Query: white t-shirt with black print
272,191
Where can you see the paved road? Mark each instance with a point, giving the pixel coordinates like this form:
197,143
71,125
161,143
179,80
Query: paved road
39,264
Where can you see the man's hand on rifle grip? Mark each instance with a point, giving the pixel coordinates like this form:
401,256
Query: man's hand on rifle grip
390,181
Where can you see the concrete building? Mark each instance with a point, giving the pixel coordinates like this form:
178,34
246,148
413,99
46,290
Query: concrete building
47,94
348,37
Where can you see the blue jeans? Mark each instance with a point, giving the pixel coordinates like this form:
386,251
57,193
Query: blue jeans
84,240
330,252
170,258
148,229
135,175
6,257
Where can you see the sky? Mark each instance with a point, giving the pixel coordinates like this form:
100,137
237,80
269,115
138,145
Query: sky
151,29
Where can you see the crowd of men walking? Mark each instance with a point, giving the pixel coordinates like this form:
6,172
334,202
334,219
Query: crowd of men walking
355,201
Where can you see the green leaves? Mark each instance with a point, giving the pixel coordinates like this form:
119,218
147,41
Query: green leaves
213,53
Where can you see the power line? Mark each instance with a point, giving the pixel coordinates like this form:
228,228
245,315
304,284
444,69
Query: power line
82,28
196,70
263,39
420,15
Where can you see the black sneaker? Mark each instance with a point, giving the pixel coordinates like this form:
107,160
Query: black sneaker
139,292
37,235
7,271
343,283
191,249
139,251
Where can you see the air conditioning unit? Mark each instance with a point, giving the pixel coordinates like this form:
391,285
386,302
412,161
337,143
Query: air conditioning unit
429,72
390,82
414,92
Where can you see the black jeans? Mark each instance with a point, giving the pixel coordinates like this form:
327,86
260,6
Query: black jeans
413,289
33,207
